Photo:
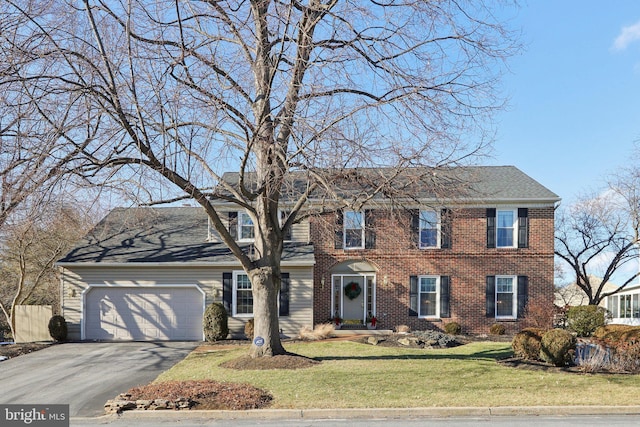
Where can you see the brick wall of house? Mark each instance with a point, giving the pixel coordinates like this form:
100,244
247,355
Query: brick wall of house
468,262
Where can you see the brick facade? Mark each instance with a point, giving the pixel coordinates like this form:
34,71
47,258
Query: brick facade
468,262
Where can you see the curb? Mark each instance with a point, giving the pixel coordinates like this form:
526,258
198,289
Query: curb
385,413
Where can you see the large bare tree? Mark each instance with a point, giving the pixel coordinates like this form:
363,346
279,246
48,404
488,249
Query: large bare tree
598,237
188,89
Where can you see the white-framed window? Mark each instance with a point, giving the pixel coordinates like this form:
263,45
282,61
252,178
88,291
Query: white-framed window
353,230
242,295
245,227
626,306
506,228
506,297
429,229
429,296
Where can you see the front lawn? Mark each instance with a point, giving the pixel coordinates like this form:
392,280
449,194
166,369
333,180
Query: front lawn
355,375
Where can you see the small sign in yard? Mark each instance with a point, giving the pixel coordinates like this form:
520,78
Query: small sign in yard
258,341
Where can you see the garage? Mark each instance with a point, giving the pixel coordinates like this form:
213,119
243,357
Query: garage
158,313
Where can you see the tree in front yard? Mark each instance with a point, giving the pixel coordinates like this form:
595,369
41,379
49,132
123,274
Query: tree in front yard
320,89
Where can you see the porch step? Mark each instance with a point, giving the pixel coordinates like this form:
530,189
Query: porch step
344,332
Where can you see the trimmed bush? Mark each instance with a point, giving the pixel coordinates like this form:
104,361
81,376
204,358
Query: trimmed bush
557,346
584,320
453,328
215,322
497,329
526,343
58,328
615,332
248,329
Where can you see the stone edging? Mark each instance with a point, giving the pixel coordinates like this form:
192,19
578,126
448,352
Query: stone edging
123,402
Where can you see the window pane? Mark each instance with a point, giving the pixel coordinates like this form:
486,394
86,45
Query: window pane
636,306
428,238
505,237
427,284
353,238
504,304
353,220
505,219
613,305
428,304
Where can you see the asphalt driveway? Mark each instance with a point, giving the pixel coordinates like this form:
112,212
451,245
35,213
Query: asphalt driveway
86,375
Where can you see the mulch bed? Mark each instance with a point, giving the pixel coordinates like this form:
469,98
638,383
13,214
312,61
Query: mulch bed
284,361
205,394
15,350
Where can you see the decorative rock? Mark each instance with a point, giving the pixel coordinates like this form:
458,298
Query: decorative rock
373,340
404,341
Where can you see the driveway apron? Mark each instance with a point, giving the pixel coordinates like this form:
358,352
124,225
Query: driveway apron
86,375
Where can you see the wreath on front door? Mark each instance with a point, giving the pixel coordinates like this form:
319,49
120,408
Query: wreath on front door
352,290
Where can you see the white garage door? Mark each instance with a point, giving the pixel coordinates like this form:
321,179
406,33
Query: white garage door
143,314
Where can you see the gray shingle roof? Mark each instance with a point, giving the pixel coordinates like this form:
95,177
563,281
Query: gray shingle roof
161,235
479,183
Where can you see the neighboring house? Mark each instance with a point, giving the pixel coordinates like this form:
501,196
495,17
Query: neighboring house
572,295
625,306
475,258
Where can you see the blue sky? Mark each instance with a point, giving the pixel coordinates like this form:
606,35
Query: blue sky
574,113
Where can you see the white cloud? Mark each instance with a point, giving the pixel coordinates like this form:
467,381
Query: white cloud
627,36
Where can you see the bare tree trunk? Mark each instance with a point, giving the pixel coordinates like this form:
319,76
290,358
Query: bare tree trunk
265,283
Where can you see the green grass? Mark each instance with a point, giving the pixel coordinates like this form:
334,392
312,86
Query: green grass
354,375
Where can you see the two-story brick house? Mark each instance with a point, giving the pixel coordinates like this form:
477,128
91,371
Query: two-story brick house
477,258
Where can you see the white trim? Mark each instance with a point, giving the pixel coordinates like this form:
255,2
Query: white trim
364,276
83,307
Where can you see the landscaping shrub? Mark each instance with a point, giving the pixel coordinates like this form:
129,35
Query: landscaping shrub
248,329
626,356
320,332
58,328
557,346
453,328
526,343
615,332
584,320
497,329
215,322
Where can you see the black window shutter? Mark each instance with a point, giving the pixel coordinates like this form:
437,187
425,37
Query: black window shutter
491,296
415,227
227,291
491,228
413,295
283,218
233,225
523,228
445,292
523,294
285,283
339,232
369,230
446,228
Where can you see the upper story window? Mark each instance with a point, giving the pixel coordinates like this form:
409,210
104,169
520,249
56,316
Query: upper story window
429,229
353,230
245,226
508,228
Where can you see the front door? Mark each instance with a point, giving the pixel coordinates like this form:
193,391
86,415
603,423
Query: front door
353,296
